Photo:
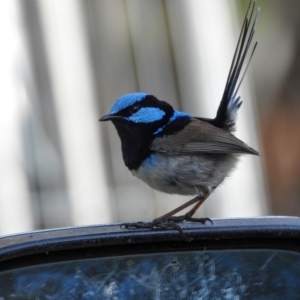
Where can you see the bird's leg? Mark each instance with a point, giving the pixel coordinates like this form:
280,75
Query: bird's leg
169,217
180,208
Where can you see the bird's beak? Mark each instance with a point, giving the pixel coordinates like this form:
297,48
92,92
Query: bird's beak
110,117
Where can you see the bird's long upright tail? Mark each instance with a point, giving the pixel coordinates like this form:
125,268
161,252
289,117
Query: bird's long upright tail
231,102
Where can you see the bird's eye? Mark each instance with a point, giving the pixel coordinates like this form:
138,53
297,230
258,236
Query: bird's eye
135,109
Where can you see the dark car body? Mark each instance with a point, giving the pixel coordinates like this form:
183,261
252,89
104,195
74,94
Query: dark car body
255,258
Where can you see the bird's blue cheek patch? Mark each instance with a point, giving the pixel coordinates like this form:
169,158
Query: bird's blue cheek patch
147,115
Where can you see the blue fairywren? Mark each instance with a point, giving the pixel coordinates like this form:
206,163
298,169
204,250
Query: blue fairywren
177,153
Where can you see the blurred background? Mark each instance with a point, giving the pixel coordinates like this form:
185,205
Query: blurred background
64,63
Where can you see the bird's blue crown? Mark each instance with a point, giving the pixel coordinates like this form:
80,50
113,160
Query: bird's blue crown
127,100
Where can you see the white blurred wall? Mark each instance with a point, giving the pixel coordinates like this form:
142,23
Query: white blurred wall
65,63
15,205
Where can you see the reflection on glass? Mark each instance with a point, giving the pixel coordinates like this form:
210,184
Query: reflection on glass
226,274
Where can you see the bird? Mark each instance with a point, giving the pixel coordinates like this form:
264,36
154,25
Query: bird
177,153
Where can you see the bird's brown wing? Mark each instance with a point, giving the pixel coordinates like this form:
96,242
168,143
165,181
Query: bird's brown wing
200,137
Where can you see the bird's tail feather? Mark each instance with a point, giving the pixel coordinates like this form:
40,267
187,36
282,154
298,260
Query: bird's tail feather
230,103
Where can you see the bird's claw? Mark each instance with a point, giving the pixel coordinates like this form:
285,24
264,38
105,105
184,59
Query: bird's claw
137,225
178,219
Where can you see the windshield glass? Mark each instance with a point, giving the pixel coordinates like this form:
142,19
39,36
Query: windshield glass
213,274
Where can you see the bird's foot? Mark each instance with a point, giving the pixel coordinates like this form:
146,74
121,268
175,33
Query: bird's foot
168,223
155,224
186,217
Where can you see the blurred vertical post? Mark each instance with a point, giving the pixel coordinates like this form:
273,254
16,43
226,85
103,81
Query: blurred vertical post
73,90
15,205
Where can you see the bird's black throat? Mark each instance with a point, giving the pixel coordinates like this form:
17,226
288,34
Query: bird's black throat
137,138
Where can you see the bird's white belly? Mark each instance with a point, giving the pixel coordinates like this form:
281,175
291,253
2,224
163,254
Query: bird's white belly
185,175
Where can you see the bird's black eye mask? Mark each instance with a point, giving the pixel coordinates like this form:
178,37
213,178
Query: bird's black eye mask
149,101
